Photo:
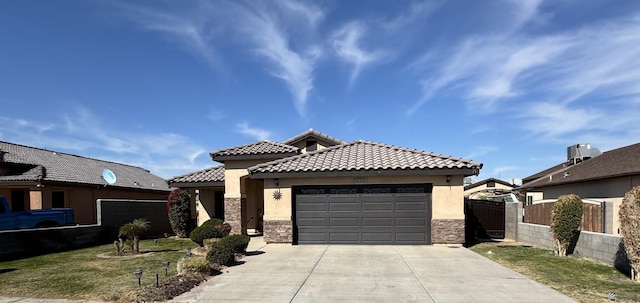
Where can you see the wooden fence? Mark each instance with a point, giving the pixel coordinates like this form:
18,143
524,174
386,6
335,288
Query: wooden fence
541,214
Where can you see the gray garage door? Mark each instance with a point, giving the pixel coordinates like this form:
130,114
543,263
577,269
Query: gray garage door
380,214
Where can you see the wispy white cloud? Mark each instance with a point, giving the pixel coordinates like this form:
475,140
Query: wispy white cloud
278,33
498,171
415,11
481,151
81,132
256,133
346,43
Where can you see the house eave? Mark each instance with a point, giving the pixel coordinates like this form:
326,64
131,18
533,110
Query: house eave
365,173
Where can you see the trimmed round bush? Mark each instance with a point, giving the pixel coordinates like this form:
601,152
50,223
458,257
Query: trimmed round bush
566,216
221,254
196,265
213,228
179,212
238,243
630,229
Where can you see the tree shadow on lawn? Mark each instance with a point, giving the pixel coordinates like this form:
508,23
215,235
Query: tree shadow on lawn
6,270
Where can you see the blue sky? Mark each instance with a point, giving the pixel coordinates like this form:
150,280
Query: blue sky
161,84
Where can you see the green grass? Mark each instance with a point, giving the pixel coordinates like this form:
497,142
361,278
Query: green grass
81,274
580,278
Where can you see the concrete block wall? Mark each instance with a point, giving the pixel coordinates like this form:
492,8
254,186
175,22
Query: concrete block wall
601,247
538,235
512,215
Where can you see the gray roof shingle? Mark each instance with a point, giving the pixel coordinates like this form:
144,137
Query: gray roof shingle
363,156
24,163
212,176
619,162
257,150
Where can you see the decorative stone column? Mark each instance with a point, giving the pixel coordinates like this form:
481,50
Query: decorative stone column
447,231
235,213
278,231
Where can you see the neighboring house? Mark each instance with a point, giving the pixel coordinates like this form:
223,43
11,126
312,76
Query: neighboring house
490,186
34,178
599,178
314,188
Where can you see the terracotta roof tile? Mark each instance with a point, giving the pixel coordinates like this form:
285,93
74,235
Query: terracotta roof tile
35,164
213,174
364,156
262,148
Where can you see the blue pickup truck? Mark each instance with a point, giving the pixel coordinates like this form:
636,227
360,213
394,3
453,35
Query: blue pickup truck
33,218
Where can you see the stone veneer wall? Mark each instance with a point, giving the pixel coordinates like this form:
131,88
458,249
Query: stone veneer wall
278,231
233,214
447,231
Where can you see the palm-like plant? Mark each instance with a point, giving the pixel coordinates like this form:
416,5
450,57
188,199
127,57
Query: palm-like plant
133,230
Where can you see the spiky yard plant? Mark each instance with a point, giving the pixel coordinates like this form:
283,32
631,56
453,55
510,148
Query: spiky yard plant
566,216
630,229
133,230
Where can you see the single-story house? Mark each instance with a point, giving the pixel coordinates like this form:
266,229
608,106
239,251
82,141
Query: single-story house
35,178
605,177
489,186
314,188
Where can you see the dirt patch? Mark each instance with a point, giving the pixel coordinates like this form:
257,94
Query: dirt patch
167,290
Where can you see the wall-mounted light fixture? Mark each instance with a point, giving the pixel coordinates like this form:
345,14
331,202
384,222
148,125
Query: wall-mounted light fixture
448,178
277,181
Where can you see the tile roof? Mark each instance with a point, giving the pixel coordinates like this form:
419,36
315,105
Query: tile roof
313,133
26,163
257,150
619,162
210,175
362,156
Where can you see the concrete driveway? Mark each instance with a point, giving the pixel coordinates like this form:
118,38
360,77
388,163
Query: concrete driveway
352,273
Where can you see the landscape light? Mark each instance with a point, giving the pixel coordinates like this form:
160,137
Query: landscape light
166,267
138,274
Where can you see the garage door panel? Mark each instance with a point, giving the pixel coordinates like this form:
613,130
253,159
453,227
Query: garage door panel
343,206
377,222
310,237
344,222
346,237
410,206
377,237
312,206
368,206
371,218
311,222
411,222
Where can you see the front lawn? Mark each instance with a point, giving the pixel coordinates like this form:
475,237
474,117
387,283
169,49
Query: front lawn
580,278
81,274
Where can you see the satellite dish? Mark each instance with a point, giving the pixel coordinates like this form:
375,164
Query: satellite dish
109,176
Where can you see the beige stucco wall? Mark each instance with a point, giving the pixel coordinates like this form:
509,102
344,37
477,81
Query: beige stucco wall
234,173
447,198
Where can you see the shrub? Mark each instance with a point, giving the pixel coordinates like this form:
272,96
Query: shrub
179,212
237,243
221,254
630,229
197,265
566,216
133,231
210,229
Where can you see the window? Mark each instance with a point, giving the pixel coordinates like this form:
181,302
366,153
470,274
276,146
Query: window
17,200
311,145
491,184
57,199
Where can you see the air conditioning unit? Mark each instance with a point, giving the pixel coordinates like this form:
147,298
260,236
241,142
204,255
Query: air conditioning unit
580,152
